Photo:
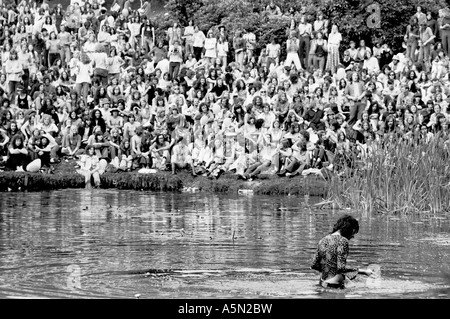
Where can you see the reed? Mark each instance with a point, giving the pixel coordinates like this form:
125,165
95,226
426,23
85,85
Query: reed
397,179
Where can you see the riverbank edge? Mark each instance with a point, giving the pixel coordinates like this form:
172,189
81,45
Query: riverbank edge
166,181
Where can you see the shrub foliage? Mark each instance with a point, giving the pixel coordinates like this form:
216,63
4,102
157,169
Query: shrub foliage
350,16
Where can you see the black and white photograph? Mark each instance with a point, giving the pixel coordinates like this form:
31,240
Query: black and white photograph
218,157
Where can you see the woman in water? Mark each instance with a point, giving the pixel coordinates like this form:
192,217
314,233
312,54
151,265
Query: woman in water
332,251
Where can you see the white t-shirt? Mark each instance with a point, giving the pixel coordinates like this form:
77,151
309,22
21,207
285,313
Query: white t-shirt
273,50
188,33
222,49
84,73
250,39
163,65
199,38
100,59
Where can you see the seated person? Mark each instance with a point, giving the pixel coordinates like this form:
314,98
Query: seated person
181,155
91,166
125,156
71,143
17,154
141,158
47,149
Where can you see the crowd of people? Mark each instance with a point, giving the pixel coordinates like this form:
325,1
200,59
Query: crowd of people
97,85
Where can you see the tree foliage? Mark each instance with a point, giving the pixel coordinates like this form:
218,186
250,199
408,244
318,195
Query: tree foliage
350,16
183,10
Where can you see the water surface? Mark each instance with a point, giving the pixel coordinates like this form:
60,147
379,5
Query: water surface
115,244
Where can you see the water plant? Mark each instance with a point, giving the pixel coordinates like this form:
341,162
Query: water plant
399,177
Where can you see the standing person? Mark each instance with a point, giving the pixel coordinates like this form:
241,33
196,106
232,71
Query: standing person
65,39
174,33
49,25
355,92
320,25
444,14
84,74
411,38
135,29
432,23
426,36
421,17
304,31
198,43
147,35
104,37
115,63
250,45
54,47
334,41
91,44
238,45
175,59
273,52
14,70
222,51
292,45
101,62
26,58
58,15
39,47
320,51
159,52
332,252
211,47
188,36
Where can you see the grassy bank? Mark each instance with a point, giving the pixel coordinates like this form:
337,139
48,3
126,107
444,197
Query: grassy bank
65,177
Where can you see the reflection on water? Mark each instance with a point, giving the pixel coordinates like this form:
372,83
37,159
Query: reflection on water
109,243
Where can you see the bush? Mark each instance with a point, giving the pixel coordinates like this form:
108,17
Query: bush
350,16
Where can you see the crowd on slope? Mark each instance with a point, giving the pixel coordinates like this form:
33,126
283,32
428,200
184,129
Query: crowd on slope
97,85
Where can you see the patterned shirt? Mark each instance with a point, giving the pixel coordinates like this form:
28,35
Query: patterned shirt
331,257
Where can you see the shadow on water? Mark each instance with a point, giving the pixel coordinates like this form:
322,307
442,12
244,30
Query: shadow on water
109,243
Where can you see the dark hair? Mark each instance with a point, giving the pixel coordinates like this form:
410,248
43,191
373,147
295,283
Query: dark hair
259,123
86,150
348,226
305,134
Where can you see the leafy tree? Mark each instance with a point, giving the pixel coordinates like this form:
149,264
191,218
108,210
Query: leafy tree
350,16
183,10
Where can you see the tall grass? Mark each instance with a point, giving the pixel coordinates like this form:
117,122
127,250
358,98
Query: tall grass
401,178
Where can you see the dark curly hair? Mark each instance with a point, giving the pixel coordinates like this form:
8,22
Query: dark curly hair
348,226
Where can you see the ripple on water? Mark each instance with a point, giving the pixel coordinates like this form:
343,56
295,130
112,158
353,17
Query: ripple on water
212,245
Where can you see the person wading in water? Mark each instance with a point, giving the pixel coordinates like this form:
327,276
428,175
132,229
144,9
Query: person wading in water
332,251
